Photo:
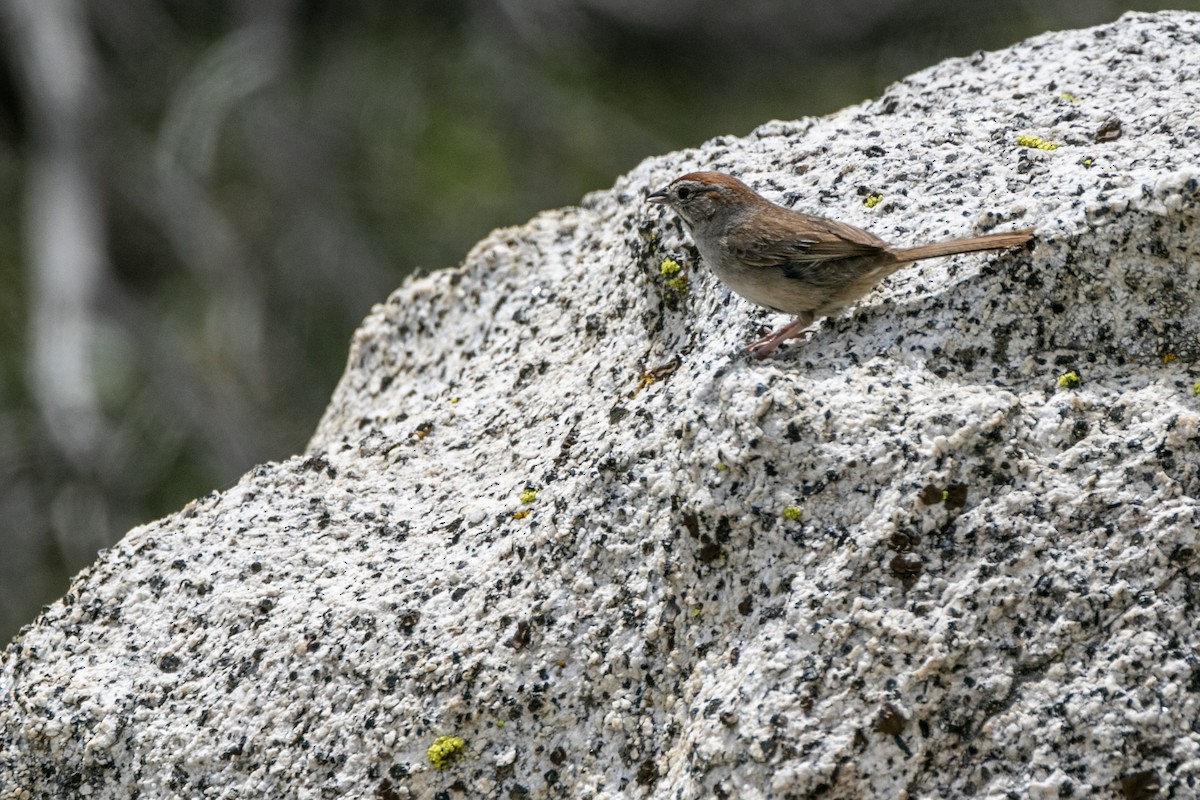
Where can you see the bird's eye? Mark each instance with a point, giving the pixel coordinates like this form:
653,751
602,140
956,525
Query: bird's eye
683,192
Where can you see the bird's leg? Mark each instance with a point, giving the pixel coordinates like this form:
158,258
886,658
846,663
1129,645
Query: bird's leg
796,329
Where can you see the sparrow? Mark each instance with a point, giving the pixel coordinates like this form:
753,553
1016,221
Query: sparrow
789,261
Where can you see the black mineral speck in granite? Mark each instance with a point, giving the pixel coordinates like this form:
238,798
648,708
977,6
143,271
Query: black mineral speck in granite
889,720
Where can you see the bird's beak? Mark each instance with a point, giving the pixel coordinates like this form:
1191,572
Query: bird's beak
658,198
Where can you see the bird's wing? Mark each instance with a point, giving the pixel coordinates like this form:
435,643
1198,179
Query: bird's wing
798,243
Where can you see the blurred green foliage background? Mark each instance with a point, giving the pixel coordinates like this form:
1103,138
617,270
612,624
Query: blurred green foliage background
199,201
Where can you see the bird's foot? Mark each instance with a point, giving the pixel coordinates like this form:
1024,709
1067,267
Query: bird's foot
796,329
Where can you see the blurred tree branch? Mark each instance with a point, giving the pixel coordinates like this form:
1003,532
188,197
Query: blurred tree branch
63,220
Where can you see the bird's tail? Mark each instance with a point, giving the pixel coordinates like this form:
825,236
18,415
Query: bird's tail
993,241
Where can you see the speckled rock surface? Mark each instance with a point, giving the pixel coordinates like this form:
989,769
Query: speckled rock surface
899,560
